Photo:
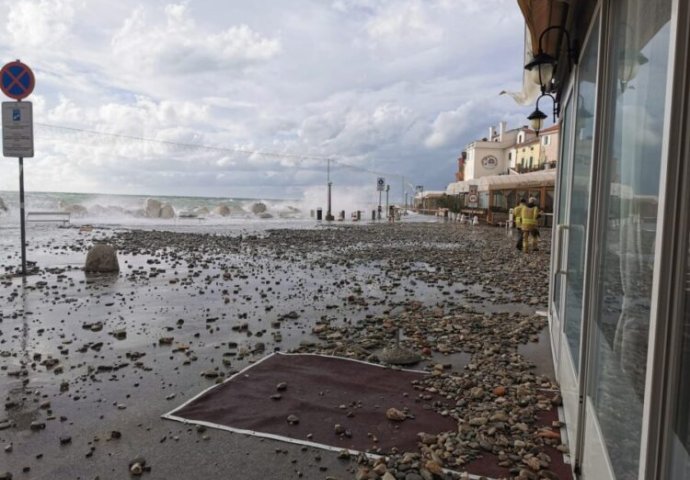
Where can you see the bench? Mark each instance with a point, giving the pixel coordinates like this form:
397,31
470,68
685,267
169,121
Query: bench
59,217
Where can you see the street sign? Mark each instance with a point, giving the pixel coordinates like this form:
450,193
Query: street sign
473,197
17,129
380,184
17,80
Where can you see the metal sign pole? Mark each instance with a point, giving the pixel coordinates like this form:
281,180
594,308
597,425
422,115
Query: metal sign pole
379,211
17,81
21,213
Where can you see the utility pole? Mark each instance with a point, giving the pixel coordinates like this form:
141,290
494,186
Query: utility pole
388,188
402,191
379,210
329,215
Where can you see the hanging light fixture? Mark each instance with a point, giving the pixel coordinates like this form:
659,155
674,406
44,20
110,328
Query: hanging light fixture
546,64
537,117
629,63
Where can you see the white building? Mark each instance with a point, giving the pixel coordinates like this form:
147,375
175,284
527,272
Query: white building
495,154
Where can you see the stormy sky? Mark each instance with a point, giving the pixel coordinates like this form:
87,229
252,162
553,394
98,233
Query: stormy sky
239,98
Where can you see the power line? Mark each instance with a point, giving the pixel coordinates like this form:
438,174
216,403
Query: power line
218,149
183,145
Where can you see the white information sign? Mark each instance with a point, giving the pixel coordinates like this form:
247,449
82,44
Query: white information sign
380,184
17,129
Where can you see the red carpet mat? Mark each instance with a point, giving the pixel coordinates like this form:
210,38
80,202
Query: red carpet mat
321,392
338,404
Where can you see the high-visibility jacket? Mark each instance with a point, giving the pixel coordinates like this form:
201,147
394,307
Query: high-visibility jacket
529,217
517,214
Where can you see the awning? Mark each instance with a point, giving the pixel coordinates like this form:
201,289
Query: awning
545,178
539,15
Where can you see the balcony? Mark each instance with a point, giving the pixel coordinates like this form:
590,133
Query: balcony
544,166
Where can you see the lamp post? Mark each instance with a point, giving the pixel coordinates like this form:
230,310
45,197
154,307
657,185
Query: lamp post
329,215
388,188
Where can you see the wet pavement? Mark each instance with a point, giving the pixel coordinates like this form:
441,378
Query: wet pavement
90,362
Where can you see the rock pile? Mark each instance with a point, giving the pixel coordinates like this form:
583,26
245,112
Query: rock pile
155,209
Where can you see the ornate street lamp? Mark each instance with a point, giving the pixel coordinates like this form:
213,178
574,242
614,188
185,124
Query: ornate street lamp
537,117
546,64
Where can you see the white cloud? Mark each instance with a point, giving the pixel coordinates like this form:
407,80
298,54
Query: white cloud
384,85
448,126
41,22
404,24
178,45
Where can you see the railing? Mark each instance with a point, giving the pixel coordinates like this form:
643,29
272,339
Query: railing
59,217
536,168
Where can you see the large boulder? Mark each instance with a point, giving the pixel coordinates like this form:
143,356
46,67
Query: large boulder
167,211
72,208
258,208
101,258
152,208
75,209
222,210
200,211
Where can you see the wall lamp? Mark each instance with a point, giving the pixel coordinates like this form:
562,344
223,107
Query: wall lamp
537,117
629,63
546,64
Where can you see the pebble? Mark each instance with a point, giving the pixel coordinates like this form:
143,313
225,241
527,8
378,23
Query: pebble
395,415
293,419
497,385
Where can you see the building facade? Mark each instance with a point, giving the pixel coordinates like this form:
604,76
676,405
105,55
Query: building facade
509,152
549,146
489,156
619,303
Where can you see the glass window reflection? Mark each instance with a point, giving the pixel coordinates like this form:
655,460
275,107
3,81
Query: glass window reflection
632,164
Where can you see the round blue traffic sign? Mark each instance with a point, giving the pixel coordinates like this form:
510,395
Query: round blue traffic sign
17,80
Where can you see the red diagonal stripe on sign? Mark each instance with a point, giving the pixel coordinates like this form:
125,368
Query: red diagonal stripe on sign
15,80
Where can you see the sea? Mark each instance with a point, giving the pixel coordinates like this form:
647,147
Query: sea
131,209
107,212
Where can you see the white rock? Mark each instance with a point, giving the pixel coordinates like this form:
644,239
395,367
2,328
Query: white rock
152,208
74,209
167,211
101,259
222,210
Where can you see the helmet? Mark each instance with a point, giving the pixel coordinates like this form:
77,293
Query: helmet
532,200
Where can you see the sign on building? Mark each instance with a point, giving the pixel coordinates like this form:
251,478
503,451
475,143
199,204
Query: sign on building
473,197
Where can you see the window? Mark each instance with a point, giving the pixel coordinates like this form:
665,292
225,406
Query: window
632,163
546,140
510,155
680,444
